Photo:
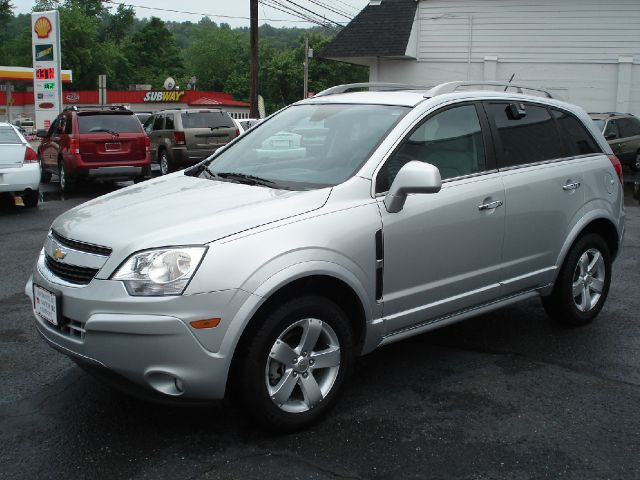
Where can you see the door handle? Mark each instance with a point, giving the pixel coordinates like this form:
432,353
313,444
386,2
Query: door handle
571,186
490,206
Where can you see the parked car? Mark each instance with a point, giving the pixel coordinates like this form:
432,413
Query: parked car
19,168
184,137
247,123
143,116
106,143
622,131
263,271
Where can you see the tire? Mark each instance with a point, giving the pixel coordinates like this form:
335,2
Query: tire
635,165
165,164
282,384
583,283
146,175
45,176
31,198
66,185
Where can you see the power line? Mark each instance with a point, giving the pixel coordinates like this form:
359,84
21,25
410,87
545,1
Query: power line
278,5
320,4
310,11
212,15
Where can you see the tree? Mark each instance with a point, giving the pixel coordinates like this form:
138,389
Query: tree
153,53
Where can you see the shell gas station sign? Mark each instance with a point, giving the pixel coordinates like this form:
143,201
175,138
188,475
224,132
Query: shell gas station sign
47,78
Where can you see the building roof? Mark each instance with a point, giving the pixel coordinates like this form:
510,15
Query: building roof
377,31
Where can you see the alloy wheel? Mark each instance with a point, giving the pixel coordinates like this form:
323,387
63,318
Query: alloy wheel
303,365
588,280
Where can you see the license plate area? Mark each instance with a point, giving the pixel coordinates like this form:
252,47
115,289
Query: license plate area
113,147
48,305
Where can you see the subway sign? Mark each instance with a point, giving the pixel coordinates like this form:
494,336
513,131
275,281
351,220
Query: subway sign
164,96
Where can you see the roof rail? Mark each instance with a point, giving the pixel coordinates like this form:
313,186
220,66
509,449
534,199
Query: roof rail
94,107
370,86
451,87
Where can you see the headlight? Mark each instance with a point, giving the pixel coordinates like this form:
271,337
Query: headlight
164,271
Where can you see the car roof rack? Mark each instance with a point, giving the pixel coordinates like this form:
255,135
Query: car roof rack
451,87
95,107
368,86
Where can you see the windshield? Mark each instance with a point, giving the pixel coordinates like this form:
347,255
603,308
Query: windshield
207,120
309,146
110,122
599,124
8,136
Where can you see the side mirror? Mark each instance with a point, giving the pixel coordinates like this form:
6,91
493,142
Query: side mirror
41,133
413,177
610,136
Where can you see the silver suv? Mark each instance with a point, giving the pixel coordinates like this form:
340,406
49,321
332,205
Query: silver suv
342,223
183,137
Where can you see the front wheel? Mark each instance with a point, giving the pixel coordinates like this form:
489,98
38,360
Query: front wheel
165,164
297,363
635,166
582,284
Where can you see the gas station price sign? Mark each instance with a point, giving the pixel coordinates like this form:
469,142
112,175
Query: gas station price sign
45,73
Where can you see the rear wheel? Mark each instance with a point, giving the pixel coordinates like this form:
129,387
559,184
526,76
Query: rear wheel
31,198
582,284
297,363
146,175
66,185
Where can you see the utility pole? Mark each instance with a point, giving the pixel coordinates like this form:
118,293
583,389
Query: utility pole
253,64
305,91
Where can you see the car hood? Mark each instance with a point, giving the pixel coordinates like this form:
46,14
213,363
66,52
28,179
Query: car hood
181,210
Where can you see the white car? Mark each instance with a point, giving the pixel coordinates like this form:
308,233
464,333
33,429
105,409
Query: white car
19,167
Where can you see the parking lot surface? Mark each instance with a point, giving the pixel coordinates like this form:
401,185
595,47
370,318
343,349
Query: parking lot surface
504,395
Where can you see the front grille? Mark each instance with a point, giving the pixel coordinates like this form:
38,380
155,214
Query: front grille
81,246
70,273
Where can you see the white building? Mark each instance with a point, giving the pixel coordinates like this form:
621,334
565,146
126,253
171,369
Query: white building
585,51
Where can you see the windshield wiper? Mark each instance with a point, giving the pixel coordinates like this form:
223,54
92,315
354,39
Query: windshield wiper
115,134
246,179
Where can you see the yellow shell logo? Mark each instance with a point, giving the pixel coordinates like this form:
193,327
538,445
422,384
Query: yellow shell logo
42,27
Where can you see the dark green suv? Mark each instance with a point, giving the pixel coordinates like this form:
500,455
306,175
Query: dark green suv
622,131
184,137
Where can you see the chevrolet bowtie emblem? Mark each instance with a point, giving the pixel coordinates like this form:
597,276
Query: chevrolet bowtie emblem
59,254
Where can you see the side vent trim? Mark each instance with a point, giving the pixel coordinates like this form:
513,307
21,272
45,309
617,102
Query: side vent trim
379,264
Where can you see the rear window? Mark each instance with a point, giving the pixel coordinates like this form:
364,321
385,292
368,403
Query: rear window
530,139
207,120
578,139
108,123
8,135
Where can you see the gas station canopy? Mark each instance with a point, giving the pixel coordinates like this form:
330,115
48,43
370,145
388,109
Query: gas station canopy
14,74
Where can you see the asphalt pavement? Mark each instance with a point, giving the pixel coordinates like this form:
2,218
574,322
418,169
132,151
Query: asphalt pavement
505,395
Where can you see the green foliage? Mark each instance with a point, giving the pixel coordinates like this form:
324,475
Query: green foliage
98,40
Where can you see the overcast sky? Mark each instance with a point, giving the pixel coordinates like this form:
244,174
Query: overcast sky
220,10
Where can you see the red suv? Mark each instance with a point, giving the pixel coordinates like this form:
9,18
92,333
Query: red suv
105,143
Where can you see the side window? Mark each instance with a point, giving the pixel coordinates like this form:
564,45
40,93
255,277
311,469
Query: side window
612,131
168,123
450,139
577,138
628,127
528,139
157,122
68,125
53,129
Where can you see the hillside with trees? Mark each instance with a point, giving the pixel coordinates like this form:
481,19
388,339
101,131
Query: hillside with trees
129,51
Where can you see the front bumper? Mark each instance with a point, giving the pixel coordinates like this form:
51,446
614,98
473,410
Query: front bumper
146,340
18,180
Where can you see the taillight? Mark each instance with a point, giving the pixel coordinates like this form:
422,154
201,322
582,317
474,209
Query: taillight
180,138
147,144
74,146
617,166
30,155
237,132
